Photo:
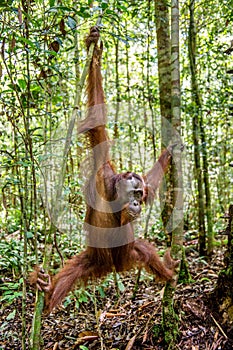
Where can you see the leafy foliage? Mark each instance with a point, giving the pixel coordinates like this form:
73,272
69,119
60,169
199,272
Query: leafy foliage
42,56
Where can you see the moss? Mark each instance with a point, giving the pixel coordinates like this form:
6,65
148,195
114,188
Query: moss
184,275
170,321
157,331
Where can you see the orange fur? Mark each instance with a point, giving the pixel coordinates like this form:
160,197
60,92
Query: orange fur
110,236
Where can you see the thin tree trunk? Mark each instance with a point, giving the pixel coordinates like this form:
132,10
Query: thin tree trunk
208,207
170,323
130,162
149,98
148,85
164,69
196,130
116,131
177,174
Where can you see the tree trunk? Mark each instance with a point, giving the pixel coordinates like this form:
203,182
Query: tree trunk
129,109
196,130
221,299
164,69
208,208
169,80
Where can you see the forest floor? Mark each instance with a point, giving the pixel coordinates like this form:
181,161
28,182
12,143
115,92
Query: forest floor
111,322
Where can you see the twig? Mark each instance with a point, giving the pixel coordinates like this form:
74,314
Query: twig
218,325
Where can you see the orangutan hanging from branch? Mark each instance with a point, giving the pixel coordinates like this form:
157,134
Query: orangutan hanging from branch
113,202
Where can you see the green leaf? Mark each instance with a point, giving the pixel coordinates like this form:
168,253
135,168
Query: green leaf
29,234
101,292
83,298
28,42
84,12
121,286
11,297
5,3
22,83
123,8
104,4
11,315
